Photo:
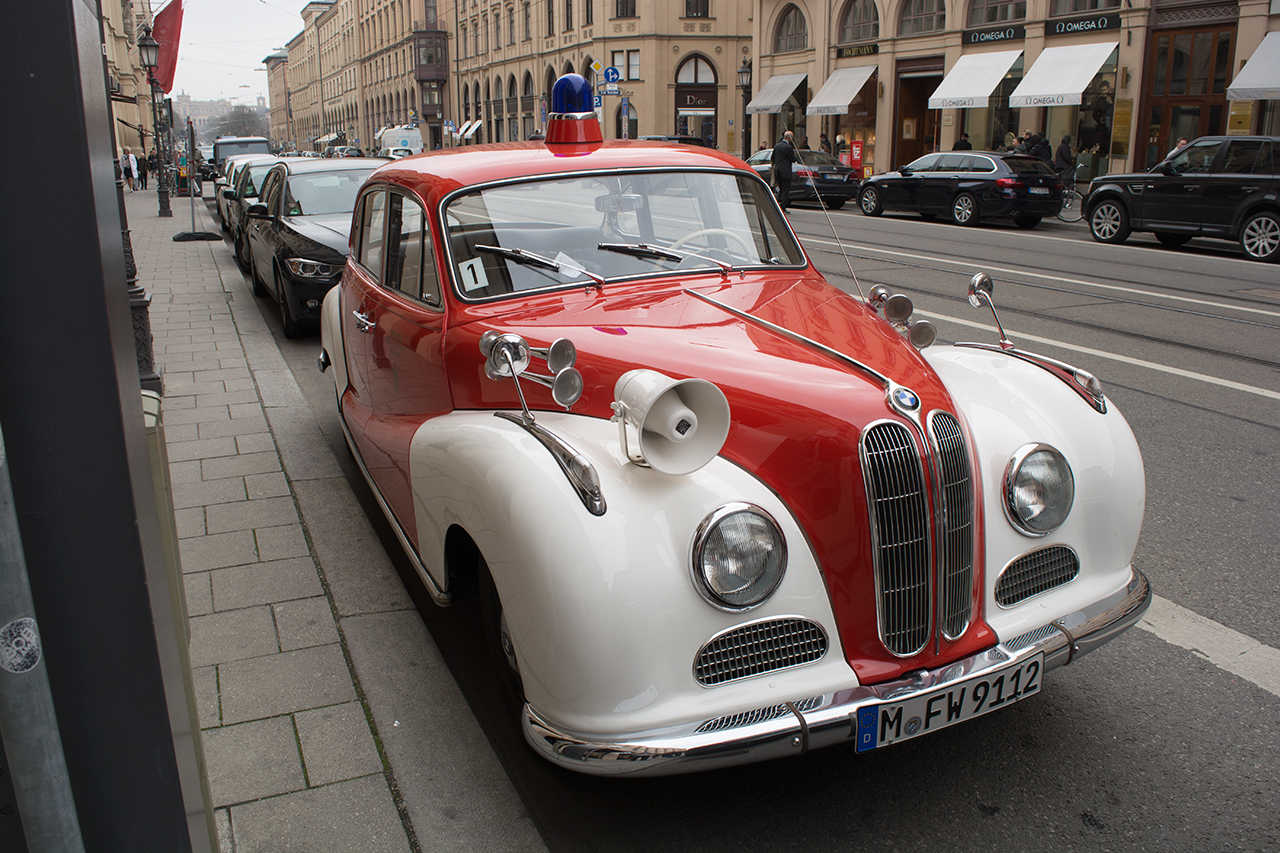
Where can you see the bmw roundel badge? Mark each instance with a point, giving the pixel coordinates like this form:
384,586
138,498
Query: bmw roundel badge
904,399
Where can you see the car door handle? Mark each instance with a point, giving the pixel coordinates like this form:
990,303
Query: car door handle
1251,189
363,323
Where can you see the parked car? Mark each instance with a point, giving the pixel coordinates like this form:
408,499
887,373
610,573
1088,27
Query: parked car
968,186
678,138
1226,187
207,165
396,153
238,197
298,233
715,509
230,146
231,173
819,174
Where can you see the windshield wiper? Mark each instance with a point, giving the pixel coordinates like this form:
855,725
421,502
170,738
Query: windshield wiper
527,258
648,250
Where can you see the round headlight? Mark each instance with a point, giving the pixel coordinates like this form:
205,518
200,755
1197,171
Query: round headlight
1038,489
739,557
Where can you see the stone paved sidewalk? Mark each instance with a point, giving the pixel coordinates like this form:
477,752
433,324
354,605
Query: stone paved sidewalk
291,738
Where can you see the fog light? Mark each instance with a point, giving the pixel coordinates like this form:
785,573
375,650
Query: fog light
312,303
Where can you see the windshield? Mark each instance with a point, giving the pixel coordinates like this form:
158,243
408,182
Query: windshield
652,223
322,193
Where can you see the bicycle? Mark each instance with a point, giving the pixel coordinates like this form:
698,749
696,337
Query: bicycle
1072,209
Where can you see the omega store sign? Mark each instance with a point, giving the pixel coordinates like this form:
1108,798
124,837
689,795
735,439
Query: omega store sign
1018,33
1095,23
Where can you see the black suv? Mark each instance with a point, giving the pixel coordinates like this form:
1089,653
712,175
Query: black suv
1216,186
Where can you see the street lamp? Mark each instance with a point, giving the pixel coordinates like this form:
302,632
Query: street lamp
744,83
149,55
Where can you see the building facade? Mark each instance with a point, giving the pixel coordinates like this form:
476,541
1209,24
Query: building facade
127,85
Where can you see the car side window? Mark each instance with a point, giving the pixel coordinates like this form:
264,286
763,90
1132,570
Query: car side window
982,164
1197,158
372,219
927,163
1242,154
1266,164
271,190
410,259
952,163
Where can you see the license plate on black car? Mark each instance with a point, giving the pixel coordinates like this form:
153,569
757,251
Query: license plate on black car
891,722
1039,190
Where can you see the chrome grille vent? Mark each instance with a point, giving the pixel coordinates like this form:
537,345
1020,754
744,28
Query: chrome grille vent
899,512
955,536
1036,572
759,647
759,715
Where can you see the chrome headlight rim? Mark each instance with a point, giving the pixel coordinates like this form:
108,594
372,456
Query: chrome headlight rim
308,268
1009,485
699,544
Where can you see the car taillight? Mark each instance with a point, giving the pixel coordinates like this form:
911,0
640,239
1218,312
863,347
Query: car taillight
806,173
1009,184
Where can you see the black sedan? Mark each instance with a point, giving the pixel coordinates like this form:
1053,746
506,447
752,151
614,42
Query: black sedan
237,199
817,175
299,233
1218,186
968,186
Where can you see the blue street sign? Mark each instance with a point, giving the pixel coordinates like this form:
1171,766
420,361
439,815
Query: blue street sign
599,101
612,74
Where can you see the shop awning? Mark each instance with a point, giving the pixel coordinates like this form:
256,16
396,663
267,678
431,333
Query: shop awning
1060,74
774,93
971,81
471,131
841,88
1259,80
466,125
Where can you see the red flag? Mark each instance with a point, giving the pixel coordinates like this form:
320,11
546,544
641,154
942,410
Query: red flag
168,31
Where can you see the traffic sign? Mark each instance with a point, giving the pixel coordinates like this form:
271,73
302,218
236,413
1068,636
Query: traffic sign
612,74
599,101
596,66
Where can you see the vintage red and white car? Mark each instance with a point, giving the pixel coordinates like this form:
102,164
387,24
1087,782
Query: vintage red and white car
716,509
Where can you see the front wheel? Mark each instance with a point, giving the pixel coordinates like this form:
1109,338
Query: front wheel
964,210
1072,209
287,322
1109,222
869,201
1260,237
497,639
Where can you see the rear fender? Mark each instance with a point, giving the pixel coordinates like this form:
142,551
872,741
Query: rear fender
331,339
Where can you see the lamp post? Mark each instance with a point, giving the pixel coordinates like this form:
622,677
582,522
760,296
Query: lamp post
744,83
149,55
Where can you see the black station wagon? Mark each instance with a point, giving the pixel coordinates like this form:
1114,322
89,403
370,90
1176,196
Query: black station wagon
1216,186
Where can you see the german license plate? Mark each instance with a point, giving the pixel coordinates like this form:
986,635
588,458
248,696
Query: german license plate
891,722
1038,190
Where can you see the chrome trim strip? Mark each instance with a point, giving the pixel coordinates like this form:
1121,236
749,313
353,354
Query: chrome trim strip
585,481
438,595
683,749
1050,365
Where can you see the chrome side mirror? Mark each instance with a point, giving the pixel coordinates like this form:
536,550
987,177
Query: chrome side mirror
980,289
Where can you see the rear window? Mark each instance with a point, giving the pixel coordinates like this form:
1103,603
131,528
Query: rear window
818,158
1029,166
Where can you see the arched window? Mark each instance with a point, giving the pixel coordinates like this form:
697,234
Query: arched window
466,103
792,32
528,85
462,39
983,12
860,21
922,16
696,70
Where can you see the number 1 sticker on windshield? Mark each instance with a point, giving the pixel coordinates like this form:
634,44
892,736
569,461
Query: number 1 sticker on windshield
473,277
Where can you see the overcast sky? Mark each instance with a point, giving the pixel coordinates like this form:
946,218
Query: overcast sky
224,42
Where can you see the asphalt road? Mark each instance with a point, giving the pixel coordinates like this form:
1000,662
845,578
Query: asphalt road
1148,743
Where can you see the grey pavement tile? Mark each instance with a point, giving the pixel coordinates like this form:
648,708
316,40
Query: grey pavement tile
304,451
360,575
228,398
222,825
199,593
215,552
239,466
190,522
258,442
278,388
264,583
305,623
179,403
281,684
234,428
336,744
356,815
272,485
246,410
231,636
175,413
266,512
191,389
204,681
252,760
177,433
279,543
184,472
206,492
178,348
223,374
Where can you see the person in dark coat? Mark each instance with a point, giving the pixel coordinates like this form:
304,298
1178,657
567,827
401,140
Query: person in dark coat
963,143
1040,148
1064,163
142,172
784,160
824,144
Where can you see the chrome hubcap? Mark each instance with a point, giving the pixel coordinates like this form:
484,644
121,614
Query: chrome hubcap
963,209
1262,237
1106,221
869,201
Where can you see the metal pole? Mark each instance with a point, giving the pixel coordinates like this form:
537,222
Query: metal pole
28,724
162,160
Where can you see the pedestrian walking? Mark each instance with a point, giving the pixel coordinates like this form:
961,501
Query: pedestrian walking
784,159
824,143
1064,163
963,143
129,165
1040,148
142,172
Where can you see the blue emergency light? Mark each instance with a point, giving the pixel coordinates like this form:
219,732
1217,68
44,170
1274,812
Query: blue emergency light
573,117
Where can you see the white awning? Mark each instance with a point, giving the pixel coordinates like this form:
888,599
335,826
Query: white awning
971,81
774,93
471,131
841,87
1060,74
1259,80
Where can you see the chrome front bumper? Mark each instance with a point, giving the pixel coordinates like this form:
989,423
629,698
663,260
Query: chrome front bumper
795,727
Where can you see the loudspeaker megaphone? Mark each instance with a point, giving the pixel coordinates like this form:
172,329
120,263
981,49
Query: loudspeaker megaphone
680,425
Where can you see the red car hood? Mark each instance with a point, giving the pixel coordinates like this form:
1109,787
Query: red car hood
797,412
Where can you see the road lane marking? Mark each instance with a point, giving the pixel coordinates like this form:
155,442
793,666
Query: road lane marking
1221,646
1149,294
1136,362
